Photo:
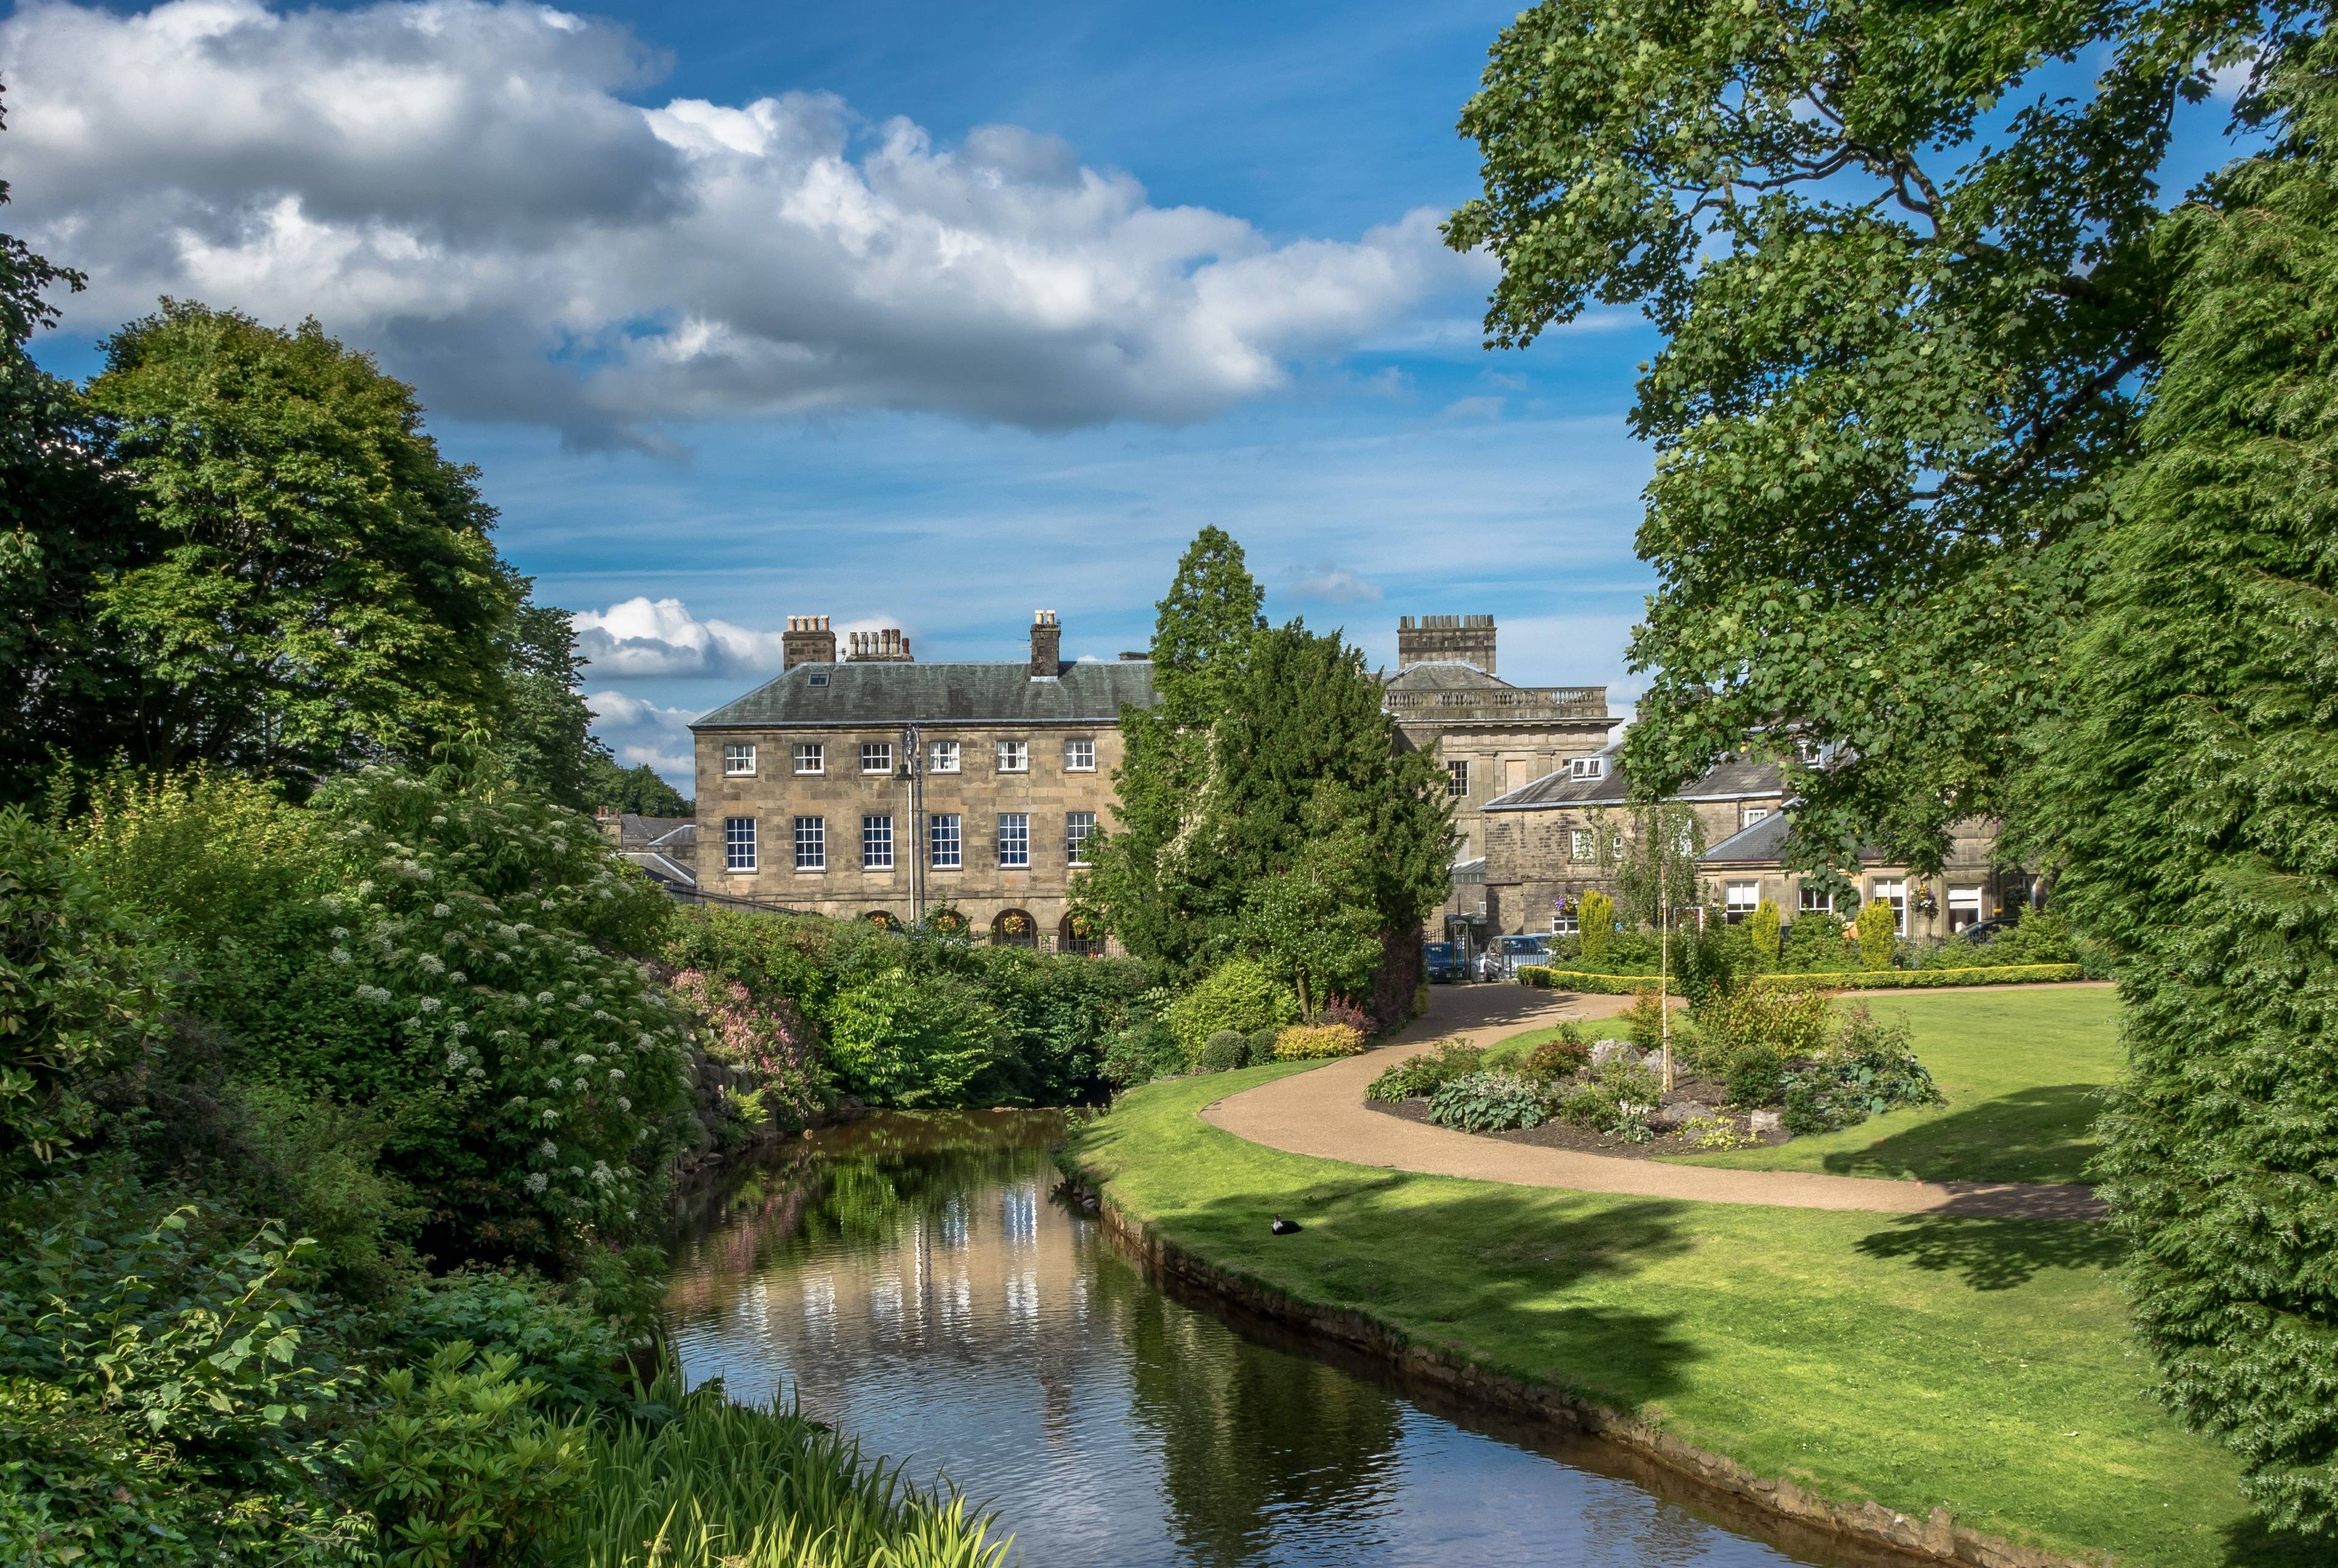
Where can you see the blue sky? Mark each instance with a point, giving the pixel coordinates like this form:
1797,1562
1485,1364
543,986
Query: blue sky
1137,270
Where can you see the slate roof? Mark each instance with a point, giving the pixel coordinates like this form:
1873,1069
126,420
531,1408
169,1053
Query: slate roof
1449,690
635,832
1763,843
1731,779
902,693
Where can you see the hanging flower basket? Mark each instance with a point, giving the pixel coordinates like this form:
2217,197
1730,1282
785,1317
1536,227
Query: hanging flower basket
1014,924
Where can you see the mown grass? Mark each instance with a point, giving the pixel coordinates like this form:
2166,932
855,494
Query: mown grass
1981,1364
708,1484
2021,1070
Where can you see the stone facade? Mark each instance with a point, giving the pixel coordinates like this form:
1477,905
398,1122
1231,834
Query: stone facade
805,798
1740,872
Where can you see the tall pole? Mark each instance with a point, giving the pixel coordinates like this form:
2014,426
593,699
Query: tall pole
1664,958
913,767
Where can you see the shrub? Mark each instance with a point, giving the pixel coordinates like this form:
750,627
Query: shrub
1225,1048
78,993
1425,1073
573,1356
1546,978
909,1040
1790,1019
1878,929
460,1468
1615,1098
769,1042
1239,994
1555,1059
1308,1042
1596,921
1141,1051
1761,930
1261,1047
1815,943
1487,1102
1644,1021
1755,1075
1870,1071
1339,1010
1716,1132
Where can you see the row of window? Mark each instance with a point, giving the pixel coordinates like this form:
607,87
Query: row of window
1456,773
945,841
739,757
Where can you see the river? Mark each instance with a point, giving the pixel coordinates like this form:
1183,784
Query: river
913,1281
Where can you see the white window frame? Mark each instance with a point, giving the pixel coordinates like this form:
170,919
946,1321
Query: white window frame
1079,831
739,844
876,842
1079,755
1456,776
1014,756
1739,900
1963,900
1014,834
1582,844
1812,899
809,756
941,755
1586,767
1749,815
946,841
1893,892
738,759
881,751
811,843
1564,925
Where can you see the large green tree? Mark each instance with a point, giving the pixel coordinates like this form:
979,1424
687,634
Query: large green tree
1900,255
1267,759
323,590
2195,794
546,733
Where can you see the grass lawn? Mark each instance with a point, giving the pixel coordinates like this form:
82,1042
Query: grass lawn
2020,1069
1980,1364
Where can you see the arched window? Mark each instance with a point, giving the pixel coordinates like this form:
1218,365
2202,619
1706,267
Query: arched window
1014,929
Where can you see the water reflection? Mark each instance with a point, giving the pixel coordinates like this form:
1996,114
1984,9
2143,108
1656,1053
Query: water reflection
911,1278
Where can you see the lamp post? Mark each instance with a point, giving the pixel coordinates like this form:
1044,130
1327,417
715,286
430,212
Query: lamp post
913,769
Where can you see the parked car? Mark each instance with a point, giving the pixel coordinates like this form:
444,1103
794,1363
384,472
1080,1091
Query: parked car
1444,962
1986,931
1511,952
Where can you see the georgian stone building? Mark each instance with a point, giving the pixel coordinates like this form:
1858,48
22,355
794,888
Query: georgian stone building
1740,871
805,792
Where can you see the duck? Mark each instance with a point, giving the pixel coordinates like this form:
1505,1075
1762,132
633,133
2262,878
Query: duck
1281,1226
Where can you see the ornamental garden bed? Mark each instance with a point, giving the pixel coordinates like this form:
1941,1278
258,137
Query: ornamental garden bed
1585,1140
1592,985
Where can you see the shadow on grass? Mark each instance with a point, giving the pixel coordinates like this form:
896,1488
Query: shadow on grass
1504,1261
2041,1134
1993,1254
2250,1542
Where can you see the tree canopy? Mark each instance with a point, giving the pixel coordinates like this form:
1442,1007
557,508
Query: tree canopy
2192,792
1902,257
322,588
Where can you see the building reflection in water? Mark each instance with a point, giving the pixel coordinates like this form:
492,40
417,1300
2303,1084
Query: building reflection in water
911,1280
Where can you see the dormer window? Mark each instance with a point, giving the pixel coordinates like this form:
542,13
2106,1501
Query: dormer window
1586,767
817,678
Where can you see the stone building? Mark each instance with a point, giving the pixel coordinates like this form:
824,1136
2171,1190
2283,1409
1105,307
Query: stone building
1542,840
1492,736
1742,870
805,795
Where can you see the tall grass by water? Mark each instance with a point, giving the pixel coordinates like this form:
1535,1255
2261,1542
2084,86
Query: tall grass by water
710,1484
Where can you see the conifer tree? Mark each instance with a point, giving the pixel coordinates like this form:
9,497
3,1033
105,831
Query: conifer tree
2195,795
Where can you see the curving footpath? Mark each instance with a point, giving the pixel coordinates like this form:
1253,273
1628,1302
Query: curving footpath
1323,1112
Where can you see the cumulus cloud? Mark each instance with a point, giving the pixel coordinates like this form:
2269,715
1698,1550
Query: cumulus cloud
644,637
637,731
464,186
1335,586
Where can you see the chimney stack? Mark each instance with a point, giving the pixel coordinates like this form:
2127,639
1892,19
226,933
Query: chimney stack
1047,646
886,647
807,640
1445,639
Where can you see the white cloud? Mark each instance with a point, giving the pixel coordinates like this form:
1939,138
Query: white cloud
637,731
463,186
1335,586
645,637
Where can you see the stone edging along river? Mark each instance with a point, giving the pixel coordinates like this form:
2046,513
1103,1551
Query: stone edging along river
1937,1537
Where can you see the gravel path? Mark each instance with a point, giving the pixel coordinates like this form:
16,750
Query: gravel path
1322,1112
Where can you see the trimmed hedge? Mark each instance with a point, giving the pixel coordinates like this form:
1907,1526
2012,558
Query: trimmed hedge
1550,979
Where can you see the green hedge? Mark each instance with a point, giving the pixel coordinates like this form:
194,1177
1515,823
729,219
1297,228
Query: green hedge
1850,979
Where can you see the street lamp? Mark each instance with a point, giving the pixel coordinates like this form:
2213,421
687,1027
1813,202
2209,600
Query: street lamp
913,769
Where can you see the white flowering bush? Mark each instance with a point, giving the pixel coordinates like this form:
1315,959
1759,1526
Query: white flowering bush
482,948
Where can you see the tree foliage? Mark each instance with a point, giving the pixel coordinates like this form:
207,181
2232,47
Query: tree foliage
2195,794
323,590
1653,857
1907,286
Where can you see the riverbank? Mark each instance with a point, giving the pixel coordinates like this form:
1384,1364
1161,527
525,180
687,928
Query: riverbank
1961,1385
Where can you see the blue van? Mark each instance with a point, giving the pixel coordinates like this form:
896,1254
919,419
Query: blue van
1444,962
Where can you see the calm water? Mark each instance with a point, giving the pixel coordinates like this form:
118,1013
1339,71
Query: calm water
912,1278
